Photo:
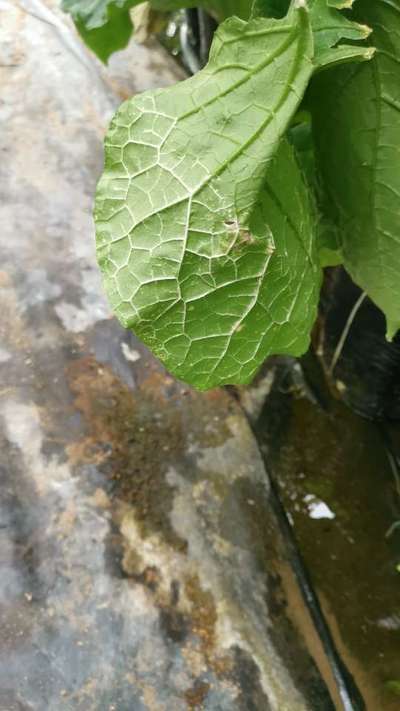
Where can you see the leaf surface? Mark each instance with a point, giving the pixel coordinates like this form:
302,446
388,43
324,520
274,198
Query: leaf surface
192,241
331,27
106,25
357,129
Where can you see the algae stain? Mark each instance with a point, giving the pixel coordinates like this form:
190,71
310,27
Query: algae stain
204,614
129,441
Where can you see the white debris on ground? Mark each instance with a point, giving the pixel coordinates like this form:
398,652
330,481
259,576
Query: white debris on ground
317,508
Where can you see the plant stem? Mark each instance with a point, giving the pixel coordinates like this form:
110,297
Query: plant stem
345,332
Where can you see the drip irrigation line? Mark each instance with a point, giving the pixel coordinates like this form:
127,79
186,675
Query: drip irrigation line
349,693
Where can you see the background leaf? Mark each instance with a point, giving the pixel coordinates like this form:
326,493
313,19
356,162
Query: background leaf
105,25
193,244
356,117
331,27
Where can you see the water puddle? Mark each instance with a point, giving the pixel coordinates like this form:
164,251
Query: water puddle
339,488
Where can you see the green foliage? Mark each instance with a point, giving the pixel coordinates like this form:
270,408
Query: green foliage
105,25
186,220
329,28
356,112
205,227
223,197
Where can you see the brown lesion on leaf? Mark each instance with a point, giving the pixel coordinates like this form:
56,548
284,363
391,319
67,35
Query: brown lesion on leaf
242,235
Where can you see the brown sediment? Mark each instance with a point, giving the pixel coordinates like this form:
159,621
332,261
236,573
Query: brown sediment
203,615
373,699
127,443
300,616
195,696
12,325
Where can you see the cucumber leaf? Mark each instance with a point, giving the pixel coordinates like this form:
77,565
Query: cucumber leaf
329,28
356,119
192,260
104,25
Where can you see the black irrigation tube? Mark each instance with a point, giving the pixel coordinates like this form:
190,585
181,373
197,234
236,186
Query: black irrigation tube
195,35
349,693
188,41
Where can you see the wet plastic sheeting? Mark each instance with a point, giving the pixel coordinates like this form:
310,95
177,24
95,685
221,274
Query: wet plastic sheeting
141,564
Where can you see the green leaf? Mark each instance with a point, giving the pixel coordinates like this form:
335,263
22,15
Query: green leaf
329,28
105,25
300,136
211,271
327,238
344,54
328,243
357,130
